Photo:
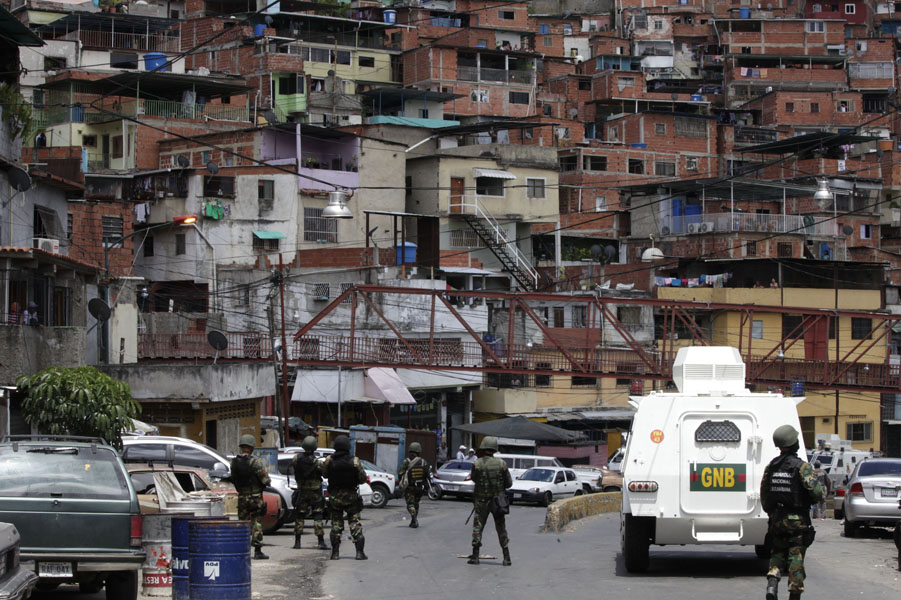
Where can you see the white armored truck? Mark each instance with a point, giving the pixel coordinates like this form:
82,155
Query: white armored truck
695,458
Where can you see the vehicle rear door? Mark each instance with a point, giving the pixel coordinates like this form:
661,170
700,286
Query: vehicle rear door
718,462
572,482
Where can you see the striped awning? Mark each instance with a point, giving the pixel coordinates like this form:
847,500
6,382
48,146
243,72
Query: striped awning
493,173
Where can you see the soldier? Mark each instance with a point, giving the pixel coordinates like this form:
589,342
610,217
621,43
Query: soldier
787,490
308,475
415,469
344,473
250,477
491,479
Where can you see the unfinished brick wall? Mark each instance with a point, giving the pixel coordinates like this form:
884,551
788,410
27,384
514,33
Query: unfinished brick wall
86,242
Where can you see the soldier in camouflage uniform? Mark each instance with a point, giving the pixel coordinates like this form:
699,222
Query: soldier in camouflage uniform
344,473
491,478
308,475
788,488
416,470
250,477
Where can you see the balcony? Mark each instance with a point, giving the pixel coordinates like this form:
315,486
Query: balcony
747,222
153,42
166,109
487,75
751,136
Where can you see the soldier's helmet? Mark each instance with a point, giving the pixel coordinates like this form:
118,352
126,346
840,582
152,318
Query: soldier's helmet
308,444
489,442
342,442
247,440
785,436
416,447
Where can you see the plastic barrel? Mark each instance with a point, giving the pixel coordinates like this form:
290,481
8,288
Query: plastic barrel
155,61
219,555
406,253
259,30
180,558
156,578
390,16
697,98
744,13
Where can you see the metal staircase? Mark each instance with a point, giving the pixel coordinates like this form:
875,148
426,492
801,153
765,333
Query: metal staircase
490,232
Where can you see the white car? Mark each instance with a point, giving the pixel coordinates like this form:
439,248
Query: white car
590,476
544,485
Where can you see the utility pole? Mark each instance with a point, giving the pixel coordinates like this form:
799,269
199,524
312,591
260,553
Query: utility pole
286,406
278,404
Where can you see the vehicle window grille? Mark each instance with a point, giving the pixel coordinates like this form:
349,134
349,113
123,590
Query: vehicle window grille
718,431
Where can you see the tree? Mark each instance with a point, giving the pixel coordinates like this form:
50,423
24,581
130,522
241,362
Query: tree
78,401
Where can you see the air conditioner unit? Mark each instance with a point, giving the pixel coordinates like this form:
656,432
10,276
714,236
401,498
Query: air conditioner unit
48,244
694,227
706,226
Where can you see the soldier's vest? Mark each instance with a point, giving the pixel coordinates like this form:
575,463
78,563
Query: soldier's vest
417,472
243,477
342,473
784,485
306,472
492,483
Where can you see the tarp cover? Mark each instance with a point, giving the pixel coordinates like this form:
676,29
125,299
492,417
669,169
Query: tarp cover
520,428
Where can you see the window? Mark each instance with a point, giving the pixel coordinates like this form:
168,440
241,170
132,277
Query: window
691,164
218,186
569,163
600,204
490,186
547,41
594,163
265,243
866,231
816,27
584,381
507,15
290,84
148,245
180,244
89,140
321,291
636,166
757,330
562,133
318,229
666,169
814,107
789,107
630,317
861,46
465,238
791,326
366,61
528,133
785,250
860,432
54,63
519,97
658,24
850,9
659,128
535,188
123,60
689,127
544,29
265,190
567,30
479,95
750,248
69,226
580,316
143,453
317,84
116,151
423,113
112,229
559,312
861,328
190,456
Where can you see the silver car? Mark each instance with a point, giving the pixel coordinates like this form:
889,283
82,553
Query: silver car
873,494
454,478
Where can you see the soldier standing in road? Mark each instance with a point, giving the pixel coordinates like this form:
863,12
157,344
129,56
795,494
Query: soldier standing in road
308,475
250,477
344,473
788,488
491,478
413,472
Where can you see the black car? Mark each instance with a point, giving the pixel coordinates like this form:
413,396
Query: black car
15,582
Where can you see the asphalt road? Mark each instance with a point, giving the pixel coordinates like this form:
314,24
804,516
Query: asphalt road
582,562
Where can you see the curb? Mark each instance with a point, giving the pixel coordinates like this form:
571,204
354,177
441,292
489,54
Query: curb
562,512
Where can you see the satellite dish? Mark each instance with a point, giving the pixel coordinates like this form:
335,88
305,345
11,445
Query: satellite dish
99,309
596,252
19,179
182,161
212,167
847,230
271,117
217,340
268,20
609,252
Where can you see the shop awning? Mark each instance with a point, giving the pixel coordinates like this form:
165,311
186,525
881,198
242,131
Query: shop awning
269,235
384,384
493,173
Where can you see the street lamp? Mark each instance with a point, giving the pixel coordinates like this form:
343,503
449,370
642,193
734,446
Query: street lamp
104,329
337,206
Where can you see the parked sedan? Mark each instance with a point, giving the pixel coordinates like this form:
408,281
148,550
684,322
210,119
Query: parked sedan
874,489
454,478
590,476
16,583
544,484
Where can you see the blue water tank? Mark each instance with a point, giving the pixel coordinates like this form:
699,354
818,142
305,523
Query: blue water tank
697,98
219,554
180,559
408,249
390,16
259,30
797,388
155,61
744,13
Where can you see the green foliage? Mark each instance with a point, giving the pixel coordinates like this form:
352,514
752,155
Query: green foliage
78,401
16,112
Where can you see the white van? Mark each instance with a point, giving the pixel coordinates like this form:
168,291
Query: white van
520,463
695,458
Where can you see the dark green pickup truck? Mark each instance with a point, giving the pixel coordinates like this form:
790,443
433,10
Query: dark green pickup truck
74,505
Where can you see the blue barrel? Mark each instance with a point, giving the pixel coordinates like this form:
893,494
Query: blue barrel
797,388
219,554
406,253
155,61
390,16
697,98
744,13
259,30
180,558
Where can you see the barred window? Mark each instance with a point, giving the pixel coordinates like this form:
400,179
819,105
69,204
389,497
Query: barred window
112,229
344,288
318,229
320,291
465,238
688,127
580,316
667,169
870,70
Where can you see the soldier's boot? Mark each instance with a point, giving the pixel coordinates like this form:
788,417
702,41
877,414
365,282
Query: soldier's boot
322,545
296,541
794,595
474,557
360,543
507,562
258,554
414,522
335,539
772,588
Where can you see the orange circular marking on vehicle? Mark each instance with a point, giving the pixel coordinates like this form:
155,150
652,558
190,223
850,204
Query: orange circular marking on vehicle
657,436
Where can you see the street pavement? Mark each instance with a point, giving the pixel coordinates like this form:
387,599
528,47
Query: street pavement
582,562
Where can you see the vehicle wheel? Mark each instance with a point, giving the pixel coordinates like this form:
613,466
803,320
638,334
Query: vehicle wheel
547,499
435,492
122,586
44,585
636,545
612,488
839,514
579,492
379,496
587,489
90,587
851,528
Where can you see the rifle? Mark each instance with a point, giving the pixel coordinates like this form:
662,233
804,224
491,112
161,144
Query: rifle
472,512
